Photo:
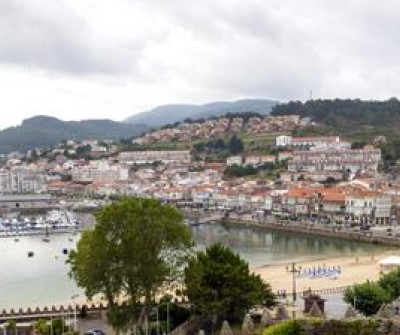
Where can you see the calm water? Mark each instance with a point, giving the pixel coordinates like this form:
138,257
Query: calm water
43,278
260,247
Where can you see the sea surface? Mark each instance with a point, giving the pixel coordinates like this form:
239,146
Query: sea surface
43,279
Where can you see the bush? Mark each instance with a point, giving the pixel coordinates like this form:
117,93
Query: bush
291,327
325,327
367,297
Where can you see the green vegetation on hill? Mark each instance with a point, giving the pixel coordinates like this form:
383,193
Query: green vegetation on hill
355,119
44,131
269,170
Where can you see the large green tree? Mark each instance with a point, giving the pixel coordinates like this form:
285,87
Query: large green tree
137,247
219,283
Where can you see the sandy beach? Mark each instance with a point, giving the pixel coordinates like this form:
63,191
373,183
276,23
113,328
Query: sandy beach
354,269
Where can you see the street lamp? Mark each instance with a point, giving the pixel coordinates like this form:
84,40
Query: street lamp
295,271
73,300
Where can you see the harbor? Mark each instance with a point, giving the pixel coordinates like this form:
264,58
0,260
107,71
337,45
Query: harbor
55,221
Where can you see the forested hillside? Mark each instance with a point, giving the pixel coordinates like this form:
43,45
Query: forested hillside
356,118
42,131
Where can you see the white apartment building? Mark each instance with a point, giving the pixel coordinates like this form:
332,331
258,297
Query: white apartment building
283,141
25,180
21,179
234,160
352,160
252,160
4,181
99,171
369,207
145,157
308,142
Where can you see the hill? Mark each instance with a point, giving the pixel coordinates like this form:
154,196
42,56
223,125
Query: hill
168,114
42,131
352,118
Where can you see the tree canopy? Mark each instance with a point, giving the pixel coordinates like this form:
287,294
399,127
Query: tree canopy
219,283
354,118
367,297
137,246
235,145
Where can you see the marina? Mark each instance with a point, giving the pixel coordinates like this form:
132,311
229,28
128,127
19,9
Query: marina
54,221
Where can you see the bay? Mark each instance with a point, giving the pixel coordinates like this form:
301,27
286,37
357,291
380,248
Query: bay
43,279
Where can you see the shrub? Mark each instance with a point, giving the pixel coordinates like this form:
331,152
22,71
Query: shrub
291,327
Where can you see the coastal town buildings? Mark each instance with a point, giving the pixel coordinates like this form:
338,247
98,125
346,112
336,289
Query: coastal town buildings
344,204
345,160
215,128
313,177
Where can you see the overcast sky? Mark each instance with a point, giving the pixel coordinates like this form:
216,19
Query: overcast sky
79,59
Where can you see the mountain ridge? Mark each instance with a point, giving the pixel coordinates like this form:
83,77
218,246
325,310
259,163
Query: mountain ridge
166,114
43,131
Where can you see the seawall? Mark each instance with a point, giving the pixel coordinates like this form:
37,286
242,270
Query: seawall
316,230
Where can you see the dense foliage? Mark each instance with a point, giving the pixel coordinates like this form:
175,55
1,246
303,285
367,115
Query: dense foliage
137,247
349,117
210,146
390,282
367,297
233,146
340,111
57,326
219,283
327,327
235,171
291,327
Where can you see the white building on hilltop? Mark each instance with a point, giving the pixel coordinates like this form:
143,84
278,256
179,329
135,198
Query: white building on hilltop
310,142
145,157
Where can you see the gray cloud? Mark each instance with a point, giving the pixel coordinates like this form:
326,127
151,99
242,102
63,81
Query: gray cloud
53,36
136,54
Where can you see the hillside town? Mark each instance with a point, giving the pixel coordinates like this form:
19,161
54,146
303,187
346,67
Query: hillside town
199,168
318,177
214,128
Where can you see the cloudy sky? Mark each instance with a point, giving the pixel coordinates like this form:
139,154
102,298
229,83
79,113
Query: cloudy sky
77,59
